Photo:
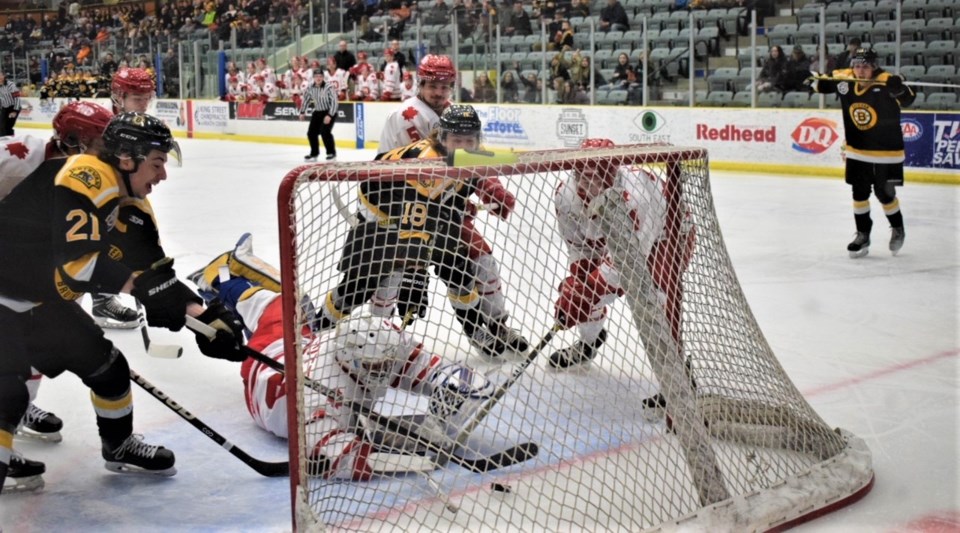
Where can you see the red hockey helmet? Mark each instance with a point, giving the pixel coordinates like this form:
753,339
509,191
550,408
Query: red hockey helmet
595,175
436,68
78,124
131,81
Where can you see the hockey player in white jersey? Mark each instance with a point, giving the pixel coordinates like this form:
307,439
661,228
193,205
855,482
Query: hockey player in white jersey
418,116
361,358
337,77
19,156
594,282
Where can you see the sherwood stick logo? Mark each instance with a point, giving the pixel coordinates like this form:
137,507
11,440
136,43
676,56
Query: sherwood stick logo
164,398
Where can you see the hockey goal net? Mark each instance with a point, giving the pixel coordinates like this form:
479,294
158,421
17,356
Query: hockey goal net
736,449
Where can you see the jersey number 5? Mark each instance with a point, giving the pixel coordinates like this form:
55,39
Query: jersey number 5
85,226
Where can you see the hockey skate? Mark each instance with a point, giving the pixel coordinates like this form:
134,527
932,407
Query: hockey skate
207,279
108,312
137,457
23,475
40,425
510,337
860,246
486,343
897,236
577,354
654,408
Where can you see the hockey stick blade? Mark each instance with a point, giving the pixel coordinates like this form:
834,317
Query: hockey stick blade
263,468
509,457
162,351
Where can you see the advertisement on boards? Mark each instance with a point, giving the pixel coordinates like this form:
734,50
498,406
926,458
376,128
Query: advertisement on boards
282,111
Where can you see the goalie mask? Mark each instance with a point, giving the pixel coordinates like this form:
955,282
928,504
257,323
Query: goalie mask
368,349
595,175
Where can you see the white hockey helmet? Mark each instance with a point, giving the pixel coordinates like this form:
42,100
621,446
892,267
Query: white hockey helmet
368,348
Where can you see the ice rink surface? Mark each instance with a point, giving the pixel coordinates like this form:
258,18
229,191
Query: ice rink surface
872,344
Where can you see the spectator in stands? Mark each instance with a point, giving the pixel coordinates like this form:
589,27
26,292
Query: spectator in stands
509,89
580,70
563,39
843,58
354,13
613,17
533,88
624,75
483,90
438,14
829,64
171,74
773,68
559,67
344,57
580,8
517,21
367,32
797,69
108,66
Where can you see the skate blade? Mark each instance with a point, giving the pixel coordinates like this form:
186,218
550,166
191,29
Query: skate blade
23,484
51,438
108,323
125,468
860,253
653,414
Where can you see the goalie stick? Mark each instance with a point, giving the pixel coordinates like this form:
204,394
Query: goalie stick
484,463
163,351
263,468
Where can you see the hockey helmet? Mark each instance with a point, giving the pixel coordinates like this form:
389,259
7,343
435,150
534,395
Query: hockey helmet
436,68
460,119
135,135
368,349
594,174
130,81
361,55
78,124
863,56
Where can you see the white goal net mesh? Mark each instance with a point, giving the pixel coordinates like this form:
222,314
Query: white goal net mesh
679,416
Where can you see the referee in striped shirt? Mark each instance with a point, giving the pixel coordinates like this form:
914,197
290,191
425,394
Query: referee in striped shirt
322,98
9,105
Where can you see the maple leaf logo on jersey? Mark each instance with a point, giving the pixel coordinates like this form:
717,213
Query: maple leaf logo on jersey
409,113
18,150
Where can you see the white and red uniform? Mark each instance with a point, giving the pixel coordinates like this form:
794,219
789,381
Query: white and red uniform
409,123
19,156
390,84
338,79
330,430
587,254
408,89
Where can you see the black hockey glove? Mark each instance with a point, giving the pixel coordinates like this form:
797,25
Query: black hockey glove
413,296
228,342
163,295
895,85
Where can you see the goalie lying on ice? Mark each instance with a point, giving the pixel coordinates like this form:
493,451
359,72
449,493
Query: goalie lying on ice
361,358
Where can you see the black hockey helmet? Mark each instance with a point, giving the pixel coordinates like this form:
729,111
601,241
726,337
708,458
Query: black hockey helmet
863,56
460,120
135,135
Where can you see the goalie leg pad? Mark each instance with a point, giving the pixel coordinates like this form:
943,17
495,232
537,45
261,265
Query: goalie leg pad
244,263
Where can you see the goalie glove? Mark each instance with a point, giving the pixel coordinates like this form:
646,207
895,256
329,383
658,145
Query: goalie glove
413,297
495,197
456,391
163,295
228,341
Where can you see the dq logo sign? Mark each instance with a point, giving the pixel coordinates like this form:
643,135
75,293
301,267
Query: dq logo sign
814,135
912,130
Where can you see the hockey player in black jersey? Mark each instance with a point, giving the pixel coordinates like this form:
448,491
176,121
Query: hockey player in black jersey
58,233
871,98
408,225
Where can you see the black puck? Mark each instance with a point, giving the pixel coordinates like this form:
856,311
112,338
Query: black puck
499,487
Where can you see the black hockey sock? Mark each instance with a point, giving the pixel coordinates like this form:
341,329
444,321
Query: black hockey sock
864,223
896,219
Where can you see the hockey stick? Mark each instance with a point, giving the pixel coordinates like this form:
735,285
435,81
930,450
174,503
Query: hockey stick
505,386
906,82
163,351
262,467
508,457
351,218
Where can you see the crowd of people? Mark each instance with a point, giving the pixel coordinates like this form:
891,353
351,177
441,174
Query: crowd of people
785,74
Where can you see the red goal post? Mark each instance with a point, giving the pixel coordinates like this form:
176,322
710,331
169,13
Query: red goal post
739,448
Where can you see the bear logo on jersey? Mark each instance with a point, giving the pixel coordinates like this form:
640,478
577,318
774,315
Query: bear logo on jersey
89,177
863,116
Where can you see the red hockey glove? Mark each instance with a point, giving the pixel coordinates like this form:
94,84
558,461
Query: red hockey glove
496,197
575,303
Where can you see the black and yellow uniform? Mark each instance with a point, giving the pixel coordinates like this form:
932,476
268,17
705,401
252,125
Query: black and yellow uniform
407,224
56,233
874,144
